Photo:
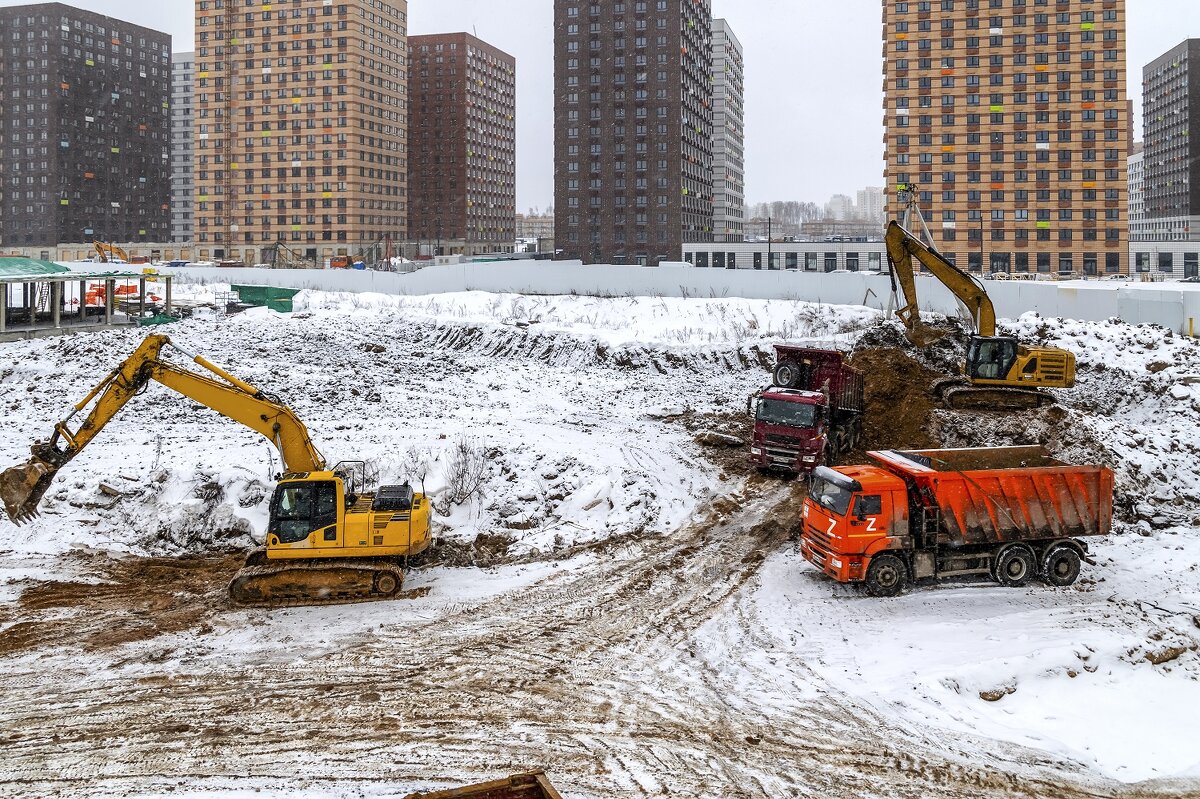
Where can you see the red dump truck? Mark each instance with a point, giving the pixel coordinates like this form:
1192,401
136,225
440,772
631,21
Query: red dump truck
810,414
1013,513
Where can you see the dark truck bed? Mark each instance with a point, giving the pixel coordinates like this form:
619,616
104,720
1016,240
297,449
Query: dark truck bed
826,371
533,785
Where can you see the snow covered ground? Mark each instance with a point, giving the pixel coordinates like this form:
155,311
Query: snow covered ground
645,627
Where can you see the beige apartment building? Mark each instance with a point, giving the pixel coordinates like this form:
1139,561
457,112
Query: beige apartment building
1011,119
300,126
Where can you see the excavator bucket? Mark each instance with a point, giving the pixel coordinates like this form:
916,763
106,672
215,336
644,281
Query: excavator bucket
22,488
922,335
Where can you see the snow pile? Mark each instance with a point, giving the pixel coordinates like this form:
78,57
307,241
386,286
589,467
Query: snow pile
617,321
549,400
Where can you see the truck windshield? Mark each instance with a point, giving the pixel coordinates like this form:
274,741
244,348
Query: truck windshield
792,414
829,496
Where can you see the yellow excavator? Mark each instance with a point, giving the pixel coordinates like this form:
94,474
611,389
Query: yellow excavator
110,252
1000,373
329,540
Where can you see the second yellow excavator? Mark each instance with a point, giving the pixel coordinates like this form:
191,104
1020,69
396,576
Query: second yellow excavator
110,252
1000,372
328,540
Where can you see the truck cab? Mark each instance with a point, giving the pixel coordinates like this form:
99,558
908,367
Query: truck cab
850,515
789,430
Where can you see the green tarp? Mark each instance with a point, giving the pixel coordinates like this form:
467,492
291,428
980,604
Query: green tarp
28,267
277,299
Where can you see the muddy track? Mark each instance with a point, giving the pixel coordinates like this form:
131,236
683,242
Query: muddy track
596,674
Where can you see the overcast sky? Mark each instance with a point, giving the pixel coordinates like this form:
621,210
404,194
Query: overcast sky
814,78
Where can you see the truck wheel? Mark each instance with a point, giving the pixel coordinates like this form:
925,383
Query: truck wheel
1014,566
886,576
786,375
1060,567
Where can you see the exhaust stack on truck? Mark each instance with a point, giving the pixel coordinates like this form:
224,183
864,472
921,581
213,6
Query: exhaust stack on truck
1013,513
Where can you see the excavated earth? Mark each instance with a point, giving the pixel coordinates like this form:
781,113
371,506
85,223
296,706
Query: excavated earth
137,676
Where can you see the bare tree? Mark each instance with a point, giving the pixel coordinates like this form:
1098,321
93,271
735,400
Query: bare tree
466,472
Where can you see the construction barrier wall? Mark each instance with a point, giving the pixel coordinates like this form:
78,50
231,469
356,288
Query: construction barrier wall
1172,305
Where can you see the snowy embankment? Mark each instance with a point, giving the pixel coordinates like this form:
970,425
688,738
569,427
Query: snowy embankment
544,403
566,399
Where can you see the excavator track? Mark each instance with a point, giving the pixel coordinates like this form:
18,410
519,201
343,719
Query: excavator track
321,581
968,398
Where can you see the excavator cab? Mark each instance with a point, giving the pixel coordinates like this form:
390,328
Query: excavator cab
301,509
1004,361
991,358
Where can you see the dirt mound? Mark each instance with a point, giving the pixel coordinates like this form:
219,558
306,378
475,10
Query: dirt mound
899,406
734,461
943,353
136,599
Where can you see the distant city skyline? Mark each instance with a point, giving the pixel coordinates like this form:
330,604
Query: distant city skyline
814,86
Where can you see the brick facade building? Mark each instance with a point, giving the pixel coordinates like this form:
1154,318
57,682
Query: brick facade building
1011,119
633,126
462,152
301,115
85,128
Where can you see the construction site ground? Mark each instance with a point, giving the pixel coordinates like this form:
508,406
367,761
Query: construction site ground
621,601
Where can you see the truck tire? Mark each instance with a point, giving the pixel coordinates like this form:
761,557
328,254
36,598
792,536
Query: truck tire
786,374
1060,566
1015,566
886,575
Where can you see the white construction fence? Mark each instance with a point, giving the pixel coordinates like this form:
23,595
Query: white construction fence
1172,305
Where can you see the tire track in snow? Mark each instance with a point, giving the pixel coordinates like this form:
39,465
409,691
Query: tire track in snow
594,674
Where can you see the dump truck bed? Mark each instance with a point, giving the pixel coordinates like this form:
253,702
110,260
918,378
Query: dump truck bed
830,373
997,494
534,785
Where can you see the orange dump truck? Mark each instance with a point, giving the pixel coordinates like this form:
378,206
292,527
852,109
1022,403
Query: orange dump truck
1013,513
533,785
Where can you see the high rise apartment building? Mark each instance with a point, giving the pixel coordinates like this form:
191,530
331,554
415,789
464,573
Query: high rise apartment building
633,127
183,77
462,145
729,134
1138,230
1010,117
869,205
301,114
84,126
1170,106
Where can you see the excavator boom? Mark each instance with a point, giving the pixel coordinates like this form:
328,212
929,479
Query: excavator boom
902,248
110,252
22,487
1003,374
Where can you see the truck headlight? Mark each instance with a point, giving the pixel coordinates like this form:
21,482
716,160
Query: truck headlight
837,564
755,450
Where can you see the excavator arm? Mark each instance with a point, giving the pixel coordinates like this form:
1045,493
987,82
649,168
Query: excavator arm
22,487
108,252
902,248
